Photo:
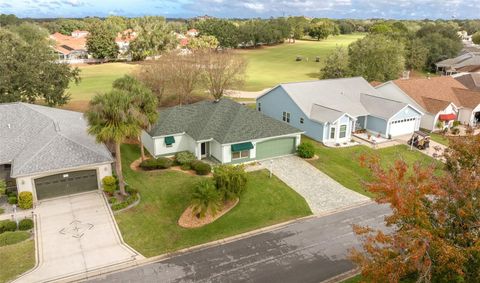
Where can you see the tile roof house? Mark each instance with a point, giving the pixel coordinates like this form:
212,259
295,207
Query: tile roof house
330,110
48,151
70,48
225,131
442,99
467,62
124,39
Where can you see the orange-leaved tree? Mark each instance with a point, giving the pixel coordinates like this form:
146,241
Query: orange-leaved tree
433,231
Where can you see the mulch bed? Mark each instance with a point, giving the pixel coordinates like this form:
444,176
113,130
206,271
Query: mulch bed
189,220
315,157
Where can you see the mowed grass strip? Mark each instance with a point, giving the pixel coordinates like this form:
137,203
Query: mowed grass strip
343,164
151,228
271,65
16,259
97,78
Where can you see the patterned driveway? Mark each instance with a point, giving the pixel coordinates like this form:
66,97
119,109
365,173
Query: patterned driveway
322,193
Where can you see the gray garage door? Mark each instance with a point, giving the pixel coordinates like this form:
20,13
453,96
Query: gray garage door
276,147
66,184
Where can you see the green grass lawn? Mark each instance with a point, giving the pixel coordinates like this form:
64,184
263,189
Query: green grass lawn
441,139
97,79
151,228
343,165
16,259
268,66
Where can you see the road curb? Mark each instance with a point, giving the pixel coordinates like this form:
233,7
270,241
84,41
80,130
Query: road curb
344,276
162,257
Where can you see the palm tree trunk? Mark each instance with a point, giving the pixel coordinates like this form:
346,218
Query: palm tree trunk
118,168
142,150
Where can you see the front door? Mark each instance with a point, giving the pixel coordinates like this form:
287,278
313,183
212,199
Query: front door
204,149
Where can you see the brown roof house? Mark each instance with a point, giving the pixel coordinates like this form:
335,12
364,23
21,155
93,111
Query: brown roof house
469,80
71,48
442,99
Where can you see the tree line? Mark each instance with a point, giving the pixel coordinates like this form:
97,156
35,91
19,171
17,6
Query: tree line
393,47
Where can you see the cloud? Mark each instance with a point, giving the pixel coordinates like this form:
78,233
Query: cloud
75,3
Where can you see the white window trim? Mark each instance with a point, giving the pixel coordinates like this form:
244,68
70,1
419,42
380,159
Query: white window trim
286,117
340,131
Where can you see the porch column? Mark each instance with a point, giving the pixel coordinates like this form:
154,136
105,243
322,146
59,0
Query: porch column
198,151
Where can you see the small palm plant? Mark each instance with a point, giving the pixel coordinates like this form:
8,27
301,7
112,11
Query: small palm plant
205,198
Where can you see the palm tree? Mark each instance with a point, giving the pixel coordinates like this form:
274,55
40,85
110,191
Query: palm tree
205,198
112,118
143,99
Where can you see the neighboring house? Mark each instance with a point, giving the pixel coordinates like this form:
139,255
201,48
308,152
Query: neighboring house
123,40
442,99
330,110
469,80
70,49
192,32
48,152
224,131
467,62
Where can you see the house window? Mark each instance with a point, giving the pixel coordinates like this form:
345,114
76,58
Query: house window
259,106
332,133
241,154
343,131
286,117
301,121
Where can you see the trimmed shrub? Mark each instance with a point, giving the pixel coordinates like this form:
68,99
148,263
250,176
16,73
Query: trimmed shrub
130,190
128,201
306,150
25,200
201,168
7,225
11,238
160,163
184,157
456,123
455,131
231,181
3,187
109,184
25,224
12,200
164,163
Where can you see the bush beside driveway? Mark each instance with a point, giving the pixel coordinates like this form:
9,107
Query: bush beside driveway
151,227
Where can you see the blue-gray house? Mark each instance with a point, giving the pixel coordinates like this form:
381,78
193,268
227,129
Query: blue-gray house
330,110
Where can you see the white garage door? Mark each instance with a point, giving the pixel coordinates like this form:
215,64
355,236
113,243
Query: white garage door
402,127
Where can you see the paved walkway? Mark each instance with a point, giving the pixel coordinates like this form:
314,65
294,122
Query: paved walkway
322,193
245,94
309,250
76,234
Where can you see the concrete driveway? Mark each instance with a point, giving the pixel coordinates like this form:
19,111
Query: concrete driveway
76,234
322,193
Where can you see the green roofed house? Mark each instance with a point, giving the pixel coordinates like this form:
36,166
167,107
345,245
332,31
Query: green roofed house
224,131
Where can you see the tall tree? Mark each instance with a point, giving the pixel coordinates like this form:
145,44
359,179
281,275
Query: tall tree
416,54
144,100
321,29
476,37
154,37
112,117
376,58
101,41
18,58
202,42
222,70
434,227
225,31
336,64
298,25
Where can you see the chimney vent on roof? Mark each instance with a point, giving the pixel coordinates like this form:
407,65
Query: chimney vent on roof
9,126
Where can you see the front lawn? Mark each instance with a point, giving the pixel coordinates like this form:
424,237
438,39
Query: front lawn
441,139
343,164
151,228
16,259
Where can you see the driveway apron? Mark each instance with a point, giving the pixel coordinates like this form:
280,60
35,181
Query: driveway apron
76,234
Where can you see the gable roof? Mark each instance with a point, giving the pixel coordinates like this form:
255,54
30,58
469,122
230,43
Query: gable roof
435,94
37,139
462,61
353,96
225,121
470,80
66,44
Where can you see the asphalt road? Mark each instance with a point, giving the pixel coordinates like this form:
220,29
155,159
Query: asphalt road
310,250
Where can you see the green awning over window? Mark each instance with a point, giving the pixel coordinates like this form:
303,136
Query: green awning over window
241,146
169,140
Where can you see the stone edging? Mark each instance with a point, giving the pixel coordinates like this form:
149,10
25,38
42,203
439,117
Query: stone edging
215,217
135,203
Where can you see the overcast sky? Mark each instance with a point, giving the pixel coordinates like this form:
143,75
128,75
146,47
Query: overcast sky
395,9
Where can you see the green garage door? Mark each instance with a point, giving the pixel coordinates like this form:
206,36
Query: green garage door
276,147
66,184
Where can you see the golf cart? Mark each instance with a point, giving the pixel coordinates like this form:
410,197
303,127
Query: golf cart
419,140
